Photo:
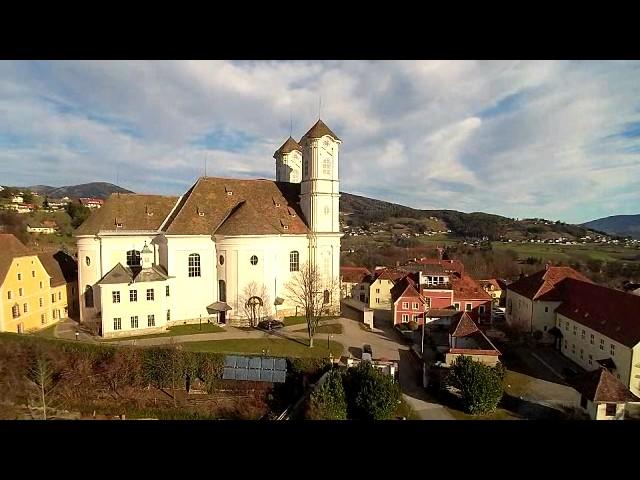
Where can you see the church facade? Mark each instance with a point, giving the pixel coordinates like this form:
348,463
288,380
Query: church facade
149,261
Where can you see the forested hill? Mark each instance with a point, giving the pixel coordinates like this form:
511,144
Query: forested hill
626,225
357,211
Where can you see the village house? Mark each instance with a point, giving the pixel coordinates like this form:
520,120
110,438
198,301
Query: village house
91,202
496,288
602,395
350,277
598,326
41,228
222,242
34,288
531,300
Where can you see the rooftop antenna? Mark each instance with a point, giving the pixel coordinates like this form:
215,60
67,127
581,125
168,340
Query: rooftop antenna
319,106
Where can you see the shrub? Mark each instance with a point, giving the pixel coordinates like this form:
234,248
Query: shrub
371,395
481,386
328,402
413,326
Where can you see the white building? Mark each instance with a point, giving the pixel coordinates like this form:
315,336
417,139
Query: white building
37,228
210,249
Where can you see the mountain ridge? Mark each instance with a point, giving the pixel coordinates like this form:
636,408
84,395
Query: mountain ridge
625,225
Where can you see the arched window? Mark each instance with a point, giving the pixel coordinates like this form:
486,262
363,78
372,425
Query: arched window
88,296
133,258
327,297
294,261
87,261
194,265
326,166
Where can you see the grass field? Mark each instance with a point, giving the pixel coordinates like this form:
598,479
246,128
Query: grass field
566,253
46,332
191,329
267,346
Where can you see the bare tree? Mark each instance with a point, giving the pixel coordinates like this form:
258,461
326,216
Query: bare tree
41,374
312,293
254,310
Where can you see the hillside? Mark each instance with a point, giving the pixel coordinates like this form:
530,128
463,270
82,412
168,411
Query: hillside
358,211
624,225
93,189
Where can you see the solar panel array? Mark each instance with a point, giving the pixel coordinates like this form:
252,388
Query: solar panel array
263,369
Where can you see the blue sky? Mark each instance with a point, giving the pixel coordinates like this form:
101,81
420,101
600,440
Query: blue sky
553,139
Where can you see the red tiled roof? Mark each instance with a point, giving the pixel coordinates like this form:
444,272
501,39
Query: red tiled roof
601,386
463,325
405,287
541,284
612,313
466,288
388,274
354,274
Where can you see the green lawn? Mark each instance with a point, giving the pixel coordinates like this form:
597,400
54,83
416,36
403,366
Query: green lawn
190,329
293,320
270,346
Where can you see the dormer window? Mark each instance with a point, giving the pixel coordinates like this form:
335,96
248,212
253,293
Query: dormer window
118,223
291,211
229,191
276,202
200,211
284,225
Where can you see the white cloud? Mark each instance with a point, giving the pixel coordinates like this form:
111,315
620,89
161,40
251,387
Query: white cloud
518,138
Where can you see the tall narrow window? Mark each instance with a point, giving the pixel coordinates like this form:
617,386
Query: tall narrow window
294,261
134,322
41,301
166,289
150,295
25,307
115,296
88,297
194,265
15,311
9,295
151,320
168,315
133,258
327,297
326,166
117,323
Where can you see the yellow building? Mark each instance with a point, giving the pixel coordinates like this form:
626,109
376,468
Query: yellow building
493,288
32,297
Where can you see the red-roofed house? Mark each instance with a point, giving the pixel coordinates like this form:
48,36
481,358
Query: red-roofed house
91,202
465,338
599,326
408,305
469,296
531,300
350,278
603,396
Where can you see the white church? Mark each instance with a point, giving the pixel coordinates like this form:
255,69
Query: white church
146,262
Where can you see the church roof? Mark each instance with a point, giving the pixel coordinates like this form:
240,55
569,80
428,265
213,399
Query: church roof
131,211
238,207
319,130
289,146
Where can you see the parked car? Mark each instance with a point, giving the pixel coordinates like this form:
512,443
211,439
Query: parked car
270,325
